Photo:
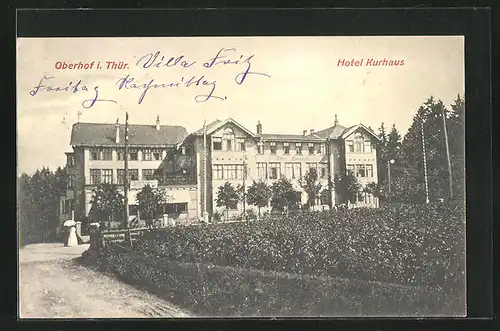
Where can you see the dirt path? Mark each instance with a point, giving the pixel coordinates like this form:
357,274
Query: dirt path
53,285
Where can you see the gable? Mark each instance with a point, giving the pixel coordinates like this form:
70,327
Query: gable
238,129
231,127
367,133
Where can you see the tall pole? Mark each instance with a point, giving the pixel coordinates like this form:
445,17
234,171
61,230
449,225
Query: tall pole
450,180
205,168
389,178
244,188
125,180
425,164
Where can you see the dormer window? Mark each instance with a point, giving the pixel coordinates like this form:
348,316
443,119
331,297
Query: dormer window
298,148
260,148
311,148
286,148
95,154
272,147
133,155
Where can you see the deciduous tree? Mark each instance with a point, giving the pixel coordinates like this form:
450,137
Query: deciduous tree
228,197
347,186
283,194
107,204
311,186
259,194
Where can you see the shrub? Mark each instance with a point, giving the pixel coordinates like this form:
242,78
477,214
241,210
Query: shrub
208,290
411,245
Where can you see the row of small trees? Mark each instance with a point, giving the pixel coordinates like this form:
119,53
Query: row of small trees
282,195
108,202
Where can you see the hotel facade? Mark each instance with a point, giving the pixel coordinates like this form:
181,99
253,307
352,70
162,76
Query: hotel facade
191,167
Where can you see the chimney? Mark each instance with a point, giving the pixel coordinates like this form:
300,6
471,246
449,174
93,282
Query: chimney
259,128
117,132
304,132
311,131
335,123
157,122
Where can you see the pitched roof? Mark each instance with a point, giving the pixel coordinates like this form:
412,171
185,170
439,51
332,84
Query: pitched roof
211,127
332,132
101,134
291,137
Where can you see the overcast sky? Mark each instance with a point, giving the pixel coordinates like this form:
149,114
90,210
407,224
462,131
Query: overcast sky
296,84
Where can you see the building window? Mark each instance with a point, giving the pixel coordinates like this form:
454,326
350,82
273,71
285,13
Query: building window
120,176
323,170
95,176
217,143
228,138
107,176
298,148
233,171
274,170
272,147
262,170
292,170
289,170
350,169
368,146
134,174
218,171
311,148
120,155
358,143
107,154
297,170
156,155
369,170
321,149
148,174
133,155
286,148
230,171
70,160
147,155
95,154
71,181
260,148
312,166
183,150
350,146
360,170
240,144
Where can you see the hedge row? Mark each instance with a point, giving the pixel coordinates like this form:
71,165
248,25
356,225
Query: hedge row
207,290
411,245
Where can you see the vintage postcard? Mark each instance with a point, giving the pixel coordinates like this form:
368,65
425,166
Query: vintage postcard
241,176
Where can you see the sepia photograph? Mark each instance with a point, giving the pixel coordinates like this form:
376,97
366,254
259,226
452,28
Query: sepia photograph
300,176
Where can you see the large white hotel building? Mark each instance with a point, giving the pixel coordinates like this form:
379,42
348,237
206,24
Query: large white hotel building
191,167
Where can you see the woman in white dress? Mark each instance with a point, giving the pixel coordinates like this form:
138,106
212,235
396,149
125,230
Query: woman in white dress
72,240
